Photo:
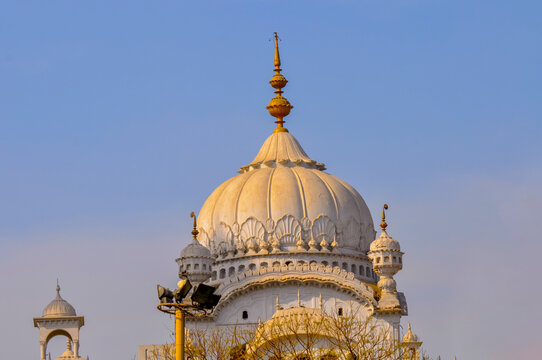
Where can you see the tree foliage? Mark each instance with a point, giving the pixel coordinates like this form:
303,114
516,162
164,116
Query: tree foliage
304,334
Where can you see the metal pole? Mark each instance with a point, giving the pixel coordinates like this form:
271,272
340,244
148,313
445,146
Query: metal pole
179,334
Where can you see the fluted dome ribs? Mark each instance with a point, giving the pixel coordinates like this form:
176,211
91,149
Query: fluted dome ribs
58,307
284,149
282,182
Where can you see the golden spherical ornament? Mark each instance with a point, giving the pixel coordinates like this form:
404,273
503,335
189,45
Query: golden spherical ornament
278,81
279,107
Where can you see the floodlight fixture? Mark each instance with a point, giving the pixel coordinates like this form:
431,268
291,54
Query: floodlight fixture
204,296
183,288
164,294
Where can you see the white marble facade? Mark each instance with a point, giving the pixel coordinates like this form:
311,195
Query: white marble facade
285,228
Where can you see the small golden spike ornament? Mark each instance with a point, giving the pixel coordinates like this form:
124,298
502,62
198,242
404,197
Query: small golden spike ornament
383,224
195,231
279,106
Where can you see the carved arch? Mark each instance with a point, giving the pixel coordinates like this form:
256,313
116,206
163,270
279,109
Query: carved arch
58,332
329,279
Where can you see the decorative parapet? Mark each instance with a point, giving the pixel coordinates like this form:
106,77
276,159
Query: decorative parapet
254,236
243,282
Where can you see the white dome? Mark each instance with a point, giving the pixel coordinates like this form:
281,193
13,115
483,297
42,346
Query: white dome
58,307
410,337
385,243
195,250
284,195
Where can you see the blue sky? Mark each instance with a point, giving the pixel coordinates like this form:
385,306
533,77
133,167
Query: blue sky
119,118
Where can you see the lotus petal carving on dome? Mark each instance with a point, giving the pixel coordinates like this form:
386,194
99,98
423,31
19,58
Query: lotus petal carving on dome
224,233
240,246
323,229
306,223
235,228
270,225
288,230
252,229
306,229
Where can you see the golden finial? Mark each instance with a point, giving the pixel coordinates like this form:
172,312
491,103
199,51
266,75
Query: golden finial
277,306
277,55
195,231
279,106
383,224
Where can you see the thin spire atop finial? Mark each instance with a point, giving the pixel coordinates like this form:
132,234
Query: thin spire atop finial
383,224
298,298
279,106
277,55
277,306
409,328
195,231
57,287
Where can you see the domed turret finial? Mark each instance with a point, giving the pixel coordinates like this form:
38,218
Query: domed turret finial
383,224
57,288
195,231
279,106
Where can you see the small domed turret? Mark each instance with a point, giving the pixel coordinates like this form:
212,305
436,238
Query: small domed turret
58,307
195,263
385,243
410,337
60,319
411,344
385,253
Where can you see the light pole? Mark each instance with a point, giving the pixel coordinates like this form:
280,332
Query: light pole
171,302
